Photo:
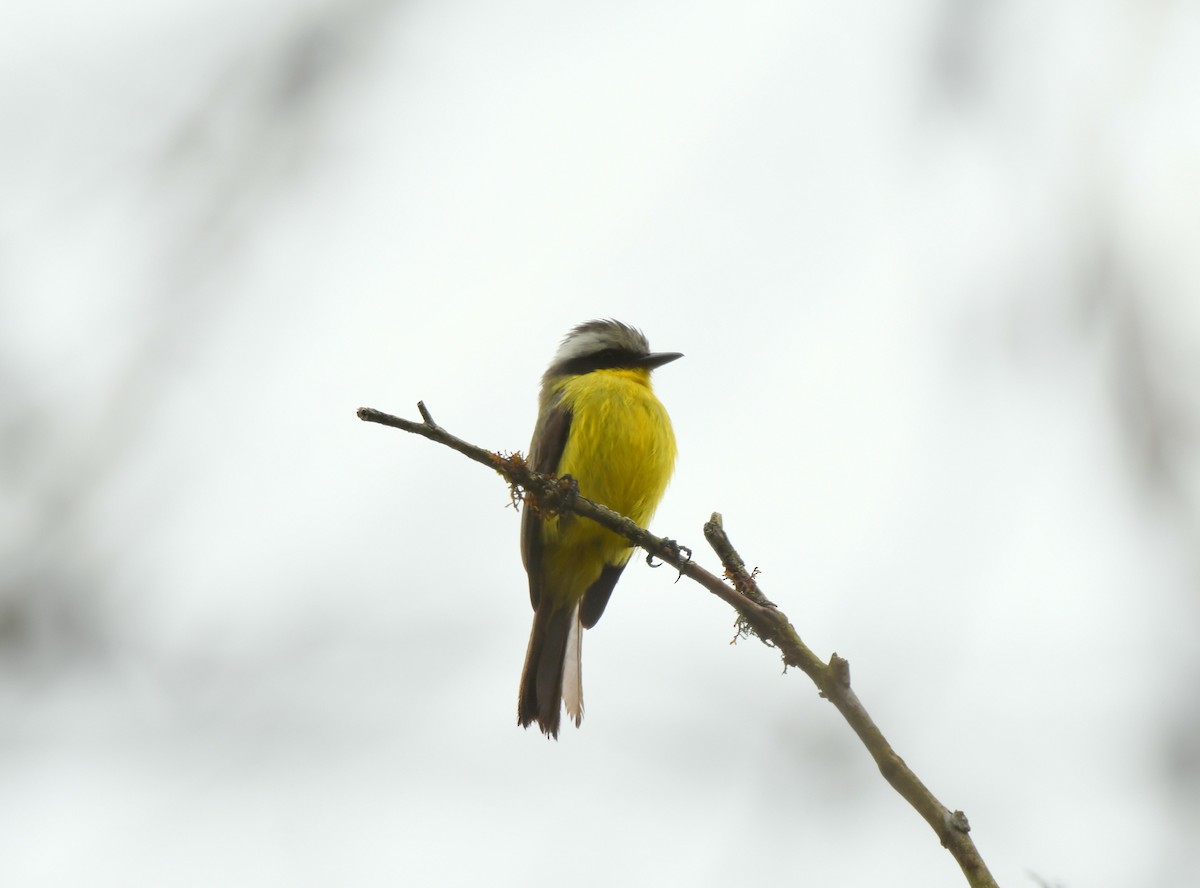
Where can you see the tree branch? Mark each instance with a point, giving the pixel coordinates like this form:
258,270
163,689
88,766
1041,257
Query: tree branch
756,615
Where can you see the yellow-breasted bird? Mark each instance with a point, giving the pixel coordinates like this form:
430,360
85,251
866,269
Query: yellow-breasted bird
599,422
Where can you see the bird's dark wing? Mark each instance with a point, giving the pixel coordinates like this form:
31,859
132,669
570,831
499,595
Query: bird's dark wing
545,453
596,597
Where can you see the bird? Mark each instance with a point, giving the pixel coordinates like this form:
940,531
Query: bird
599,422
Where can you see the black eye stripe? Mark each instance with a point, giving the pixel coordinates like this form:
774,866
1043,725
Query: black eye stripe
606,359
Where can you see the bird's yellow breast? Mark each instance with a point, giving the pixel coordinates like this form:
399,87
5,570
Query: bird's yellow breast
621,448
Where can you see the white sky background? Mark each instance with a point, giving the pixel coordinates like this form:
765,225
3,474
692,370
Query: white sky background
934,266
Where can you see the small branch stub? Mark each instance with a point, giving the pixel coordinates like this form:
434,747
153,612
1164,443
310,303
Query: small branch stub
840,669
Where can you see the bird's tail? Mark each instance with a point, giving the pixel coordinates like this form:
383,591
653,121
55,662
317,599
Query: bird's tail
552,669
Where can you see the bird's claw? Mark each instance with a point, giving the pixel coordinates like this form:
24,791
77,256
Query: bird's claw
682,554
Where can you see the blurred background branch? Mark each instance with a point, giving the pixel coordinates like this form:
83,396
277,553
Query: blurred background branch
211,178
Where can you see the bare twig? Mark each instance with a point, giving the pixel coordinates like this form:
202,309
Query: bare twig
756,614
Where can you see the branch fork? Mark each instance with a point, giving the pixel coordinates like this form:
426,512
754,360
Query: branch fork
757,615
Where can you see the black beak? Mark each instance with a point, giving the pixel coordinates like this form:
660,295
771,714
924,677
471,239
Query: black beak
657,359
